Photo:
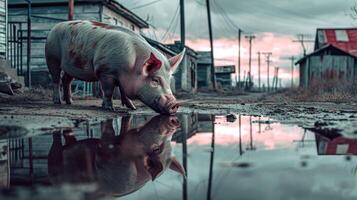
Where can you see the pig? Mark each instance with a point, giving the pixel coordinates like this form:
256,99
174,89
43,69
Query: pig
117,164
114,56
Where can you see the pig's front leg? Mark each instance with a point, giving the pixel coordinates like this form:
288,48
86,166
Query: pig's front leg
125,100
108,85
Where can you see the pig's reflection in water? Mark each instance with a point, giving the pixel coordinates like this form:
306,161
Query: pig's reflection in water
118,165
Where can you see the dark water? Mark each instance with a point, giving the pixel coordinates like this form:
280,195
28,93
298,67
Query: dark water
190,156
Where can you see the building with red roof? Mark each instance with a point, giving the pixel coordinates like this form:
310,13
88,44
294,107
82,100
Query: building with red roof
334,59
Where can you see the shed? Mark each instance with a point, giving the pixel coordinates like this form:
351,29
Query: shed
3,28
224,75
186,74
333,61
204,64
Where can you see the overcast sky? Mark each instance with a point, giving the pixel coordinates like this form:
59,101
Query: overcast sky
274,22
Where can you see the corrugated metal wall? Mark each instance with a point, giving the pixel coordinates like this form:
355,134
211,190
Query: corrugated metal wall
3,22
320,68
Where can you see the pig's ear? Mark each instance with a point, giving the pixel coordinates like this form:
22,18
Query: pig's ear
151,65
177,167
176,60
153,166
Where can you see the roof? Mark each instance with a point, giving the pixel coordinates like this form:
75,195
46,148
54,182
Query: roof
325,47
160,46
204,57
112,4
177,47
225,69
342,38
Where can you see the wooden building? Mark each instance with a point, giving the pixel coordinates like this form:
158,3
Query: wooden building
3,28
47,13
204,64
333,61
186,74
224,75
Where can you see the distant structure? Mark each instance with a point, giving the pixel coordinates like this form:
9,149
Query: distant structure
3,28
334,59
204,69
185,77
224,75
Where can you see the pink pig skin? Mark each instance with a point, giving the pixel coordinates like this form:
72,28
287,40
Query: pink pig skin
114,56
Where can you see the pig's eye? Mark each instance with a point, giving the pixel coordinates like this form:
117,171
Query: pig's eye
155,82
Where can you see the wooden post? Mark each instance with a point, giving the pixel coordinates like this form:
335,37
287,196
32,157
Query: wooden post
213,71
259,71
70,9
29,27
239,48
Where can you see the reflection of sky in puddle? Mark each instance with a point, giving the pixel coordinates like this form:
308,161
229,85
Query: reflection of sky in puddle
250,158
264,136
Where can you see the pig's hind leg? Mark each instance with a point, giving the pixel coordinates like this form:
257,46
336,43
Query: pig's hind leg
54,67
108,84
66,84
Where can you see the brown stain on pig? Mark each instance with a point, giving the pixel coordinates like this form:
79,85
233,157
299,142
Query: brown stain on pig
102,25
77,59
102,69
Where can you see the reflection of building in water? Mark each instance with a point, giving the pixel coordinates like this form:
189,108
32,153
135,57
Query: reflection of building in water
192,124
28,156
335,145
4,164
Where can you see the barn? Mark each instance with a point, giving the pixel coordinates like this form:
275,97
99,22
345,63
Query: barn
333,61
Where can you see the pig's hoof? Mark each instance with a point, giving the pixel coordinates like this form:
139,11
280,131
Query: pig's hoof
131,105
69,101
107,106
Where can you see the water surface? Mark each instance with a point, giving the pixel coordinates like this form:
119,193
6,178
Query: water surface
191,156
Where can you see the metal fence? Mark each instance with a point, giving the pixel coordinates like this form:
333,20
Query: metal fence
15,46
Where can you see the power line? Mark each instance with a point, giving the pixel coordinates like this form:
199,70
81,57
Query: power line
171,23
145,4
225,16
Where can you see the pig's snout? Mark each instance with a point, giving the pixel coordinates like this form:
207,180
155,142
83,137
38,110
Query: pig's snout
171,106
174,121
173,109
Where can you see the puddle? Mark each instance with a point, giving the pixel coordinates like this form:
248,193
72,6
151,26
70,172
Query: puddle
191,156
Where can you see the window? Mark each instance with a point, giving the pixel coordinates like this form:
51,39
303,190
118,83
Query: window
341,36
321,37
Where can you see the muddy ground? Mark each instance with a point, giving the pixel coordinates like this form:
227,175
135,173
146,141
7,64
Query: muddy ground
329,117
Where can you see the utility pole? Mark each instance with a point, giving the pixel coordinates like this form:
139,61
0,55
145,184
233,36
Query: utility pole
239,48
213,73
268,55
292,58
182,23
259,70
276,78
301,39
70,9
29,42
250,39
